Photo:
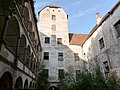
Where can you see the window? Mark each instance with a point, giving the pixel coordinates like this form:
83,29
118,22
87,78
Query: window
53,40
117,27
46,56
59,40
60,56
106,66
101,43
61,74
53,17
53,27
45,72
77,74
47,40
76,56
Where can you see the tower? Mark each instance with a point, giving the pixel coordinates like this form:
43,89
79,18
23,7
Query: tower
53,28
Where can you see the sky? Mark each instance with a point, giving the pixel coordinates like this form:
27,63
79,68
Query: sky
81,13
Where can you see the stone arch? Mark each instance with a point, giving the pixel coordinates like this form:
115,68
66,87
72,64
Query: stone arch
18,83
12,34
6,81
26,84
22,46
28,52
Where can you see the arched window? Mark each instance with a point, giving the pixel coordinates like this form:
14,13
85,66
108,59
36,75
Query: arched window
12,34
22,47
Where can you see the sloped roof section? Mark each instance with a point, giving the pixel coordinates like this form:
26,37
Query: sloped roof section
77,39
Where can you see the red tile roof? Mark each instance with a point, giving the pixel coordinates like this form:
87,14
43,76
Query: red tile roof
77,39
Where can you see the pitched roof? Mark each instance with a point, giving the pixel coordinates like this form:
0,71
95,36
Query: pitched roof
53,6
77,39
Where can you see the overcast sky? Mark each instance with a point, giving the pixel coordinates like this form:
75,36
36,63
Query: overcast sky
81,12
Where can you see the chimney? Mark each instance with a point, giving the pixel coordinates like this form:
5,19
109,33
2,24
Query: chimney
98,18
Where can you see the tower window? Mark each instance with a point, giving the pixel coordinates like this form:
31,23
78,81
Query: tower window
59,40
53,17
47,40
46,56
53,27
60,56
117,27
101,43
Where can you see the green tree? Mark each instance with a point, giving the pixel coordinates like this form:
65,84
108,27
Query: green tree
90,81
42,79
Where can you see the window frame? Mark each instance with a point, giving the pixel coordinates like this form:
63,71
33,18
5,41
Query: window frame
59,40
101,43
53,27
117,28
61,74
106,67
53,17
60,56
47,40
46,57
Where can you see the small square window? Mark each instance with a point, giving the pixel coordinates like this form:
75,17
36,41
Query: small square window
117,27
47,40
60,56
53,17
101,43
106,67
59,40
46,56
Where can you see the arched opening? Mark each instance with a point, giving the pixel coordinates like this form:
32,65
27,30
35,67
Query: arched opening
19,84
22,47
26,84
54,88
12,34
6,81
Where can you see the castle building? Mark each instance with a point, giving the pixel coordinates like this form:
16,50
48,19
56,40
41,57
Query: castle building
19,46
63,51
